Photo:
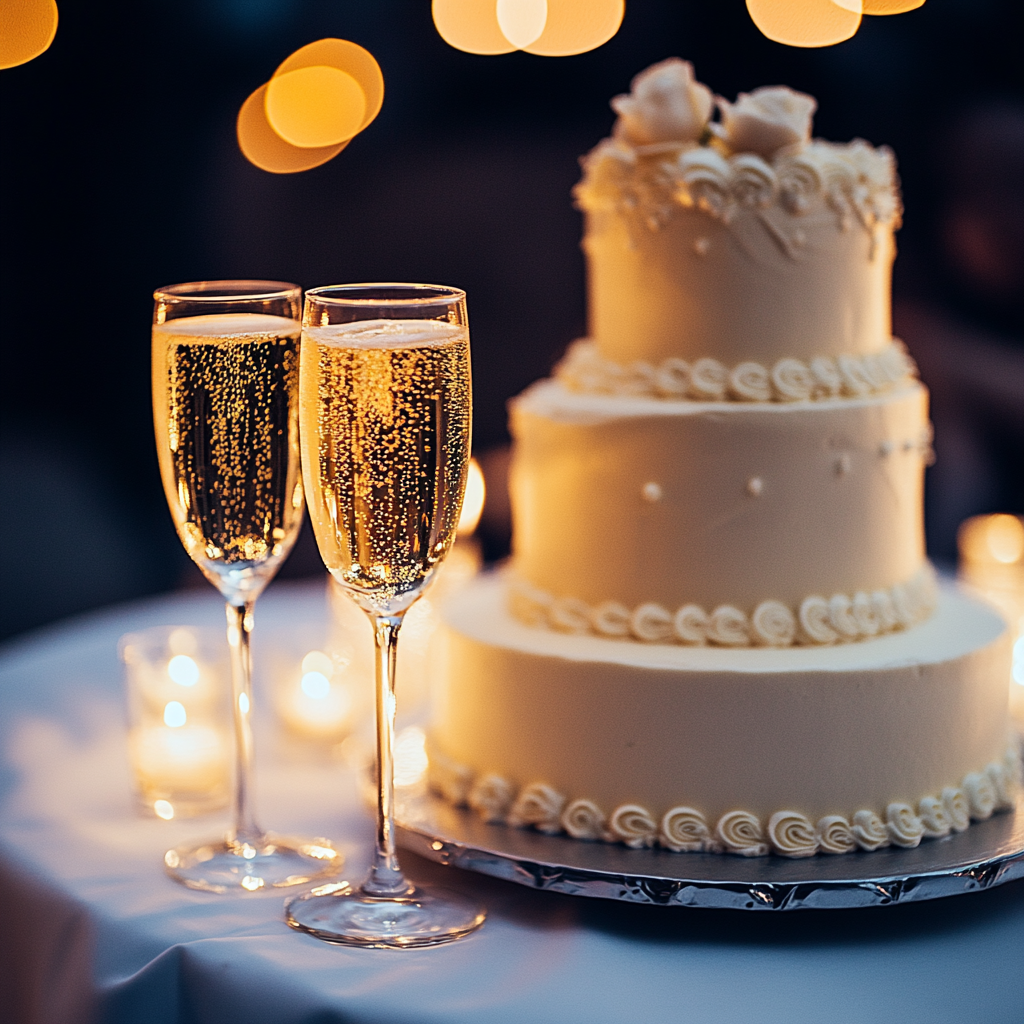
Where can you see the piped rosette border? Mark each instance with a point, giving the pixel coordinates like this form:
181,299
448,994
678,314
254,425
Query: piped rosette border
841,618
585,371
854,181
685,829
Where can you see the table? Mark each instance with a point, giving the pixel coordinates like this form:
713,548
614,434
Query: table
91,929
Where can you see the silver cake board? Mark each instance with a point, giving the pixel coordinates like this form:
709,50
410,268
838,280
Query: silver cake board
987,854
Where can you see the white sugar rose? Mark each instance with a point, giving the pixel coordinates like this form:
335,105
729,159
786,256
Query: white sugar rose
766,120
666,105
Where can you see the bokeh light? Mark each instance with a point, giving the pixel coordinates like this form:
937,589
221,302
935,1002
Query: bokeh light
262,146
806,23
473,503
27,28
576,26
889,6
315,107
546,28
183,670
346,56
522,21
471,25
993,540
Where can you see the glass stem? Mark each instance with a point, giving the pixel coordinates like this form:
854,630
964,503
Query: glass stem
385,877
240,623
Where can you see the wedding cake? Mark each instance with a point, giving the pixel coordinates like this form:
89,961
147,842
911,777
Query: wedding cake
718,631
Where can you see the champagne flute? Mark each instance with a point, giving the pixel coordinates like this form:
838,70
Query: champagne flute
385,409
225,408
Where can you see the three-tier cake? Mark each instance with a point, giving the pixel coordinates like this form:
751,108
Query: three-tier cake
719,630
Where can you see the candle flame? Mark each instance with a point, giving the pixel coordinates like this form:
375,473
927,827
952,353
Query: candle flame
473,503
174,714
183,670
315,685
163,809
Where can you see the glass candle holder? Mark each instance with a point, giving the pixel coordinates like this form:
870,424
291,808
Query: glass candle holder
321,686
178,687
992,564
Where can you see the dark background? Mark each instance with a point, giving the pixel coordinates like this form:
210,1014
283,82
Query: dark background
119,172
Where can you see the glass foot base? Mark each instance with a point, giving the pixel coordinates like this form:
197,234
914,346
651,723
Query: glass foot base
275,862
426,917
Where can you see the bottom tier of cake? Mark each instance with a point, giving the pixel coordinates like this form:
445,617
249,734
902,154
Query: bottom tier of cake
794,751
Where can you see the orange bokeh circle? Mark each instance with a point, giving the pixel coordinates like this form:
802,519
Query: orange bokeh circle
315,107
891,6
263,147
807,23
346,56
27,28
471,26
576,26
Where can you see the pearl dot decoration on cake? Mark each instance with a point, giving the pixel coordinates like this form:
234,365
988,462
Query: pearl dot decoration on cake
701,246
755,485
651,492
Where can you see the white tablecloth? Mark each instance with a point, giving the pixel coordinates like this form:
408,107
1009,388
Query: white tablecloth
90,928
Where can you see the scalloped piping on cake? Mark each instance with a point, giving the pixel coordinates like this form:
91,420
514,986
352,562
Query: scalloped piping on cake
584,371
818,621
855,181
685,829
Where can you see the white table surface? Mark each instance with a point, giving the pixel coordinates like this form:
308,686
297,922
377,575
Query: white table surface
91,928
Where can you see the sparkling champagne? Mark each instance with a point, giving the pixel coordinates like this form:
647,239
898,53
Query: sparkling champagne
385,413
225,400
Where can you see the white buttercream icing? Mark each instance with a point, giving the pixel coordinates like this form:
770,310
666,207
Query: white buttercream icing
771,623
540,806
652,623
934,817
728,626
691,624
792,380
708,379
583,819
750,382
869,831
740,832
959,810
981,795
666,104
585,371
766,120
684,829
633,825
611,619
815,621
835,834
491,796
792,834
905,828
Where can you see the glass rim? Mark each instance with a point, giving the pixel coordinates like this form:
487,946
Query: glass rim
248,290
416,294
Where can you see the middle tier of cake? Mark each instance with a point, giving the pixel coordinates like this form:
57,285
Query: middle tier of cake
633,514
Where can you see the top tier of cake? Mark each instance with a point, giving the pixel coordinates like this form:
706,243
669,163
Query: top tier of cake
740,241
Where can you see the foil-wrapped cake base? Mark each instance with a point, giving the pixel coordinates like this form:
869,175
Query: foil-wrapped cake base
989,853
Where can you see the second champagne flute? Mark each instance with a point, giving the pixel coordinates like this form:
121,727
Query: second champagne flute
385,413
225,407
